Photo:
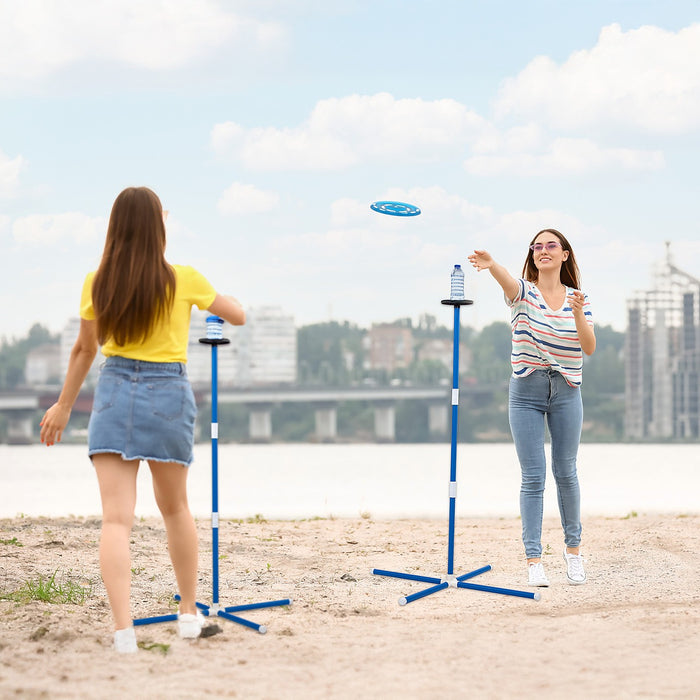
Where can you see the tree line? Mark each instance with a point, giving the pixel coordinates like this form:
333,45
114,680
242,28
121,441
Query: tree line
337,354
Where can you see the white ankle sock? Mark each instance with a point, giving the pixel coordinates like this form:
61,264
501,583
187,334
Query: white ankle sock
125,641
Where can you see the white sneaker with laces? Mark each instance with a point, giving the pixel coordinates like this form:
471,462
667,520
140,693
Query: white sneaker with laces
190,626
125,641
575,573
536,575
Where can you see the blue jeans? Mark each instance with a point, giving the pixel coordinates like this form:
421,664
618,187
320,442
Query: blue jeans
531,398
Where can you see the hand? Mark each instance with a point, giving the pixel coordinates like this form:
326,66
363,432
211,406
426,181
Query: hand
576,299
481,260
54,423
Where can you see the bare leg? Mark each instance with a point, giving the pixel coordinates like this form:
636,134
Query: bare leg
170,490
117,480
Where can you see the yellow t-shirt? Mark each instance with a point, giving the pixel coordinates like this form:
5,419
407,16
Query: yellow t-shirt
169,338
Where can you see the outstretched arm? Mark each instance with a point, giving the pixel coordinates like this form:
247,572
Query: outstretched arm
229,309
56,418
482,260
586,334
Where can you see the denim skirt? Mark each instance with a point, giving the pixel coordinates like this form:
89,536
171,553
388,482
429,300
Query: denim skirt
143,410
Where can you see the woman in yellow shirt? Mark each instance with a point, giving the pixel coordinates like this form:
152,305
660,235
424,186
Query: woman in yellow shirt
137,306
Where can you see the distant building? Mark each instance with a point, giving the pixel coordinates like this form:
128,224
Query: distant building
662,356
266,347
442,350
263,351
390,346
43,365
68,337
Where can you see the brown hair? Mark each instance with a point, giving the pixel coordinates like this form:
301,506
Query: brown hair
134,286
569,274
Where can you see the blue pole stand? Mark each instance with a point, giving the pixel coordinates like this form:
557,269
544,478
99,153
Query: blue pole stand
214,339
450,580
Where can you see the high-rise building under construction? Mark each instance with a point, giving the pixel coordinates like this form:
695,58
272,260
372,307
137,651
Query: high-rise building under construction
662,356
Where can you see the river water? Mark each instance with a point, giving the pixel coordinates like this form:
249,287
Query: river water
382,481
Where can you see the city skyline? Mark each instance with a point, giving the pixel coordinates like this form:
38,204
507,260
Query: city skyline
267,128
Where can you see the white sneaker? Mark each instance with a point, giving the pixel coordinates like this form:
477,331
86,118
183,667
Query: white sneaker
125,641
535,575
190,626
575,574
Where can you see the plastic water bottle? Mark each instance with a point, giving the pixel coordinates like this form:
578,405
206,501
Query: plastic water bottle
457,283
215,328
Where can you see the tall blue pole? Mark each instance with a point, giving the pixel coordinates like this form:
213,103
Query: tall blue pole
452,581
453,449
215,338
215,474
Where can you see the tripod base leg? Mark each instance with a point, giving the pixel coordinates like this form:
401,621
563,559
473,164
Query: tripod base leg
408,577
257,606
476,572
423,593
153,620
242,621
501,591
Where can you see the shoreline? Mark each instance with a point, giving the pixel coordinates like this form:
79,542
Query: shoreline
631,631
386,481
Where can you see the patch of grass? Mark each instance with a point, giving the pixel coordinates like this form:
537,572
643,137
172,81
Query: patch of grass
631,514
14,541
258,518
50,590
154,646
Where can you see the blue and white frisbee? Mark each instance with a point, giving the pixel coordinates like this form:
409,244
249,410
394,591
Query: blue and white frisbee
395,208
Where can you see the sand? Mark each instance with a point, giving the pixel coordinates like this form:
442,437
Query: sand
633,631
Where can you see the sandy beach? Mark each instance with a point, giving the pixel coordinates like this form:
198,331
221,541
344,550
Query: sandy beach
632,631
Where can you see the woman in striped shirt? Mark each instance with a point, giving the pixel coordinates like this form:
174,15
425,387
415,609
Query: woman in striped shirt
552,329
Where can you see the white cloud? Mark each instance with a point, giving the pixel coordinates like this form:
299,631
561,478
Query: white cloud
9,174
39,230
40,37
240,198
647,78
563,156
341,132
355,130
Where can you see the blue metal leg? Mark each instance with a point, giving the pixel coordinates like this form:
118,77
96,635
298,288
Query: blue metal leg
495,589
257,606
410,577
152,620
423,593
476,572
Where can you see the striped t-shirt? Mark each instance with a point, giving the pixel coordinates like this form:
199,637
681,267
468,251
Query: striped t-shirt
544,338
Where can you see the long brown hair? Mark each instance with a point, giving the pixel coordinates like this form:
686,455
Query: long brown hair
569,273
134,286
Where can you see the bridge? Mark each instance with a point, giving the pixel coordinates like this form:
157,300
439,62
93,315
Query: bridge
21,407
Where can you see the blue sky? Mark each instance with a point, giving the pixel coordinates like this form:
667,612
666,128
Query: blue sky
268,127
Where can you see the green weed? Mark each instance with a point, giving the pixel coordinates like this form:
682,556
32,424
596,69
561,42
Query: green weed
155,646
50,590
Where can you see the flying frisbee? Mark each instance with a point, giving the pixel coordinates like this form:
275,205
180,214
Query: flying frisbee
395,208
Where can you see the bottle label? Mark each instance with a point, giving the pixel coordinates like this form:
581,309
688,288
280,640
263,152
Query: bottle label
457,285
